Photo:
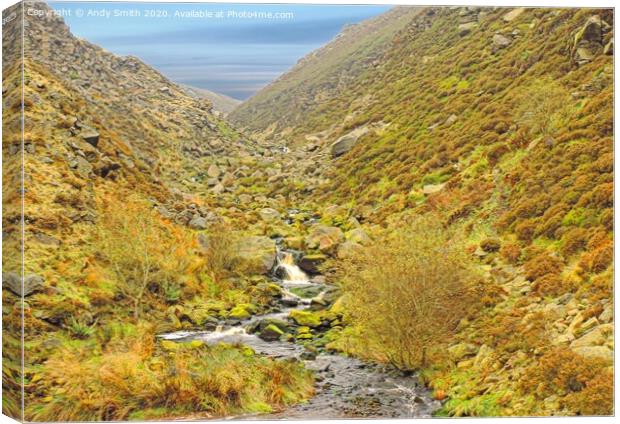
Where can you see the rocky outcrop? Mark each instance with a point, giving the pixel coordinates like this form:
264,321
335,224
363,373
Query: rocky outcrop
588,42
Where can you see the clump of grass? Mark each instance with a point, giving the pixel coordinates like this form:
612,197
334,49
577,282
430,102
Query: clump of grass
135,377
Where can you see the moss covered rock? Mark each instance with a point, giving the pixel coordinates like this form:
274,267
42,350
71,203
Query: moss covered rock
306,318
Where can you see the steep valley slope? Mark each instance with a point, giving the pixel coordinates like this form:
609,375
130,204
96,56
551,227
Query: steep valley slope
146,212
497,123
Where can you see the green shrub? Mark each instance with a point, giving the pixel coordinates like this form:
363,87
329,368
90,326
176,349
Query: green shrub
408,290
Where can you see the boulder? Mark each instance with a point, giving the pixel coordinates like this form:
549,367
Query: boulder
348,249
294,242
90,135
305,318
466,28
241,312
12,281
269,214
513,14
432,188
484,357
592,31
255,255
596,337
595,352
500,41
324,238
198,223
347,141
214,171
311,263
588,41
271,333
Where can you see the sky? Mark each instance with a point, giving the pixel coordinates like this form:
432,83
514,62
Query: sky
233,49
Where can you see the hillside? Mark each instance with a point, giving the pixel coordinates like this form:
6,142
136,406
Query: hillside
282,106
221,102
116,159
498,123
429,194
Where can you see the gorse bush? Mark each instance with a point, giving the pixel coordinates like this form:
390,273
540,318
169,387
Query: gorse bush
408,290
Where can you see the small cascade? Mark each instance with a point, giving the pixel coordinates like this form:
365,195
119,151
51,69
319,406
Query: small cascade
292,273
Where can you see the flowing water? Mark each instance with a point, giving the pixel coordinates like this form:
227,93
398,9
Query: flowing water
345,387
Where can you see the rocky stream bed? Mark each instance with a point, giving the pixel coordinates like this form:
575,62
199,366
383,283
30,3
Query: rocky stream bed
345,387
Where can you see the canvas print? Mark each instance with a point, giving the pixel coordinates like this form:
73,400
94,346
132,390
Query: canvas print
306,211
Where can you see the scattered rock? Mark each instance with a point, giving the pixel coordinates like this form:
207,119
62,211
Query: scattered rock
311,263
513,14
13,282
607,315
466,28
346,142
501,41
451,120
47,240
609,48
83,167
218,189
90,135
198,223
432,188
214,171
269,214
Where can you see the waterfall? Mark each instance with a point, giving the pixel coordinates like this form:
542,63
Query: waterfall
292,272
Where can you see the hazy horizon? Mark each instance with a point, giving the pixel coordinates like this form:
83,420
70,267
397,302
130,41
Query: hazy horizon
231,49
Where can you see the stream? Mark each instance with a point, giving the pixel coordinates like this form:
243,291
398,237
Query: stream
345,387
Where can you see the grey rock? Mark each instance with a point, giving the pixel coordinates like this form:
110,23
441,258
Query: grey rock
466,28
346,142
13,282
255,255
90,135
501,41
198,223
269,214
